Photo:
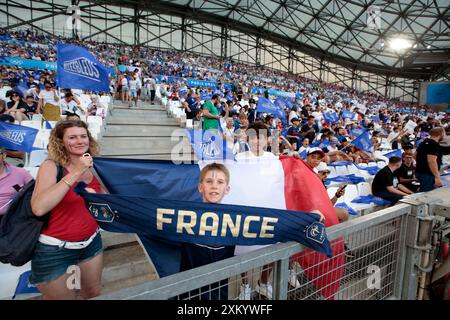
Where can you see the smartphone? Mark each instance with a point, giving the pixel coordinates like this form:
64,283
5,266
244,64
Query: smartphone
343,187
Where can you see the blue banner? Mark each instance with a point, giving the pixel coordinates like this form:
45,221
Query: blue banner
285,94
265,105
331,117
375,118
346,114
350,178
209,145
372,170
15,137
395,153
27,63
345,206
371,199
281,103
201,83
273,92
438,93
78,69
363,142
356,132
204,96
204,223
133,185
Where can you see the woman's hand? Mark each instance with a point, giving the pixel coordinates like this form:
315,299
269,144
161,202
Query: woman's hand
84,164
90,190
322,217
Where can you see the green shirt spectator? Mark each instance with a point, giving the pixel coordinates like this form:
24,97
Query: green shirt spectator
211,114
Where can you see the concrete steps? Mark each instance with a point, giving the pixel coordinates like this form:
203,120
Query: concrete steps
124,266
122,146
144,132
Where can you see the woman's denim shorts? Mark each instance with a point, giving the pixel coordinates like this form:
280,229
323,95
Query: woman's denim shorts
51,262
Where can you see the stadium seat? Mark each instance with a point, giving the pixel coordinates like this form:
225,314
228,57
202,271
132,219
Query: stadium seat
332,172
37,117
354,170
332,191
37,157
342,171
32,124
95,119
351,192
42,138
364,189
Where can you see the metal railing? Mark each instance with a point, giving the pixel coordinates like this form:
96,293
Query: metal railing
383,255
368,263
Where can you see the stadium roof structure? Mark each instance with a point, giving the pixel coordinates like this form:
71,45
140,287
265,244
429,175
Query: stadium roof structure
349,33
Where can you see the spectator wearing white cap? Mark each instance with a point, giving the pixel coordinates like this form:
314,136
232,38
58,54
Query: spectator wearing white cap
314,157
323,171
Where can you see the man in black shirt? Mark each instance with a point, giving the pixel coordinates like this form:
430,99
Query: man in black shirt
310,129
429,160
385,185
405,173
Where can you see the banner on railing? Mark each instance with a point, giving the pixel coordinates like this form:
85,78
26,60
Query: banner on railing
27,63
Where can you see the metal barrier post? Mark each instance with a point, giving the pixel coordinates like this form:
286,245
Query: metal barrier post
409,280
281,279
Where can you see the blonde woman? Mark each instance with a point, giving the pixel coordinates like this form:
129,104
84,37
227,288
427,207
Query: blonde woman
69,251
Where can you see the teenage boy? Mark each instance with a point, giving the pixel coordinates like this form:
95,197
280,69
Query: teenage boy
293,134
213,185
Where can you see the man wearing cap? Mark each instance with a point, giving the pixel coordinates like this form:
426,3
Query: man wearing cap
314,157
323,171
293,133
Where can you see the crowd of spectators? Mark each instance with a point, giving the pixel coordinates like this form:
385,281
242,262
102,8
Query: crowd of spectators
233,104
303,129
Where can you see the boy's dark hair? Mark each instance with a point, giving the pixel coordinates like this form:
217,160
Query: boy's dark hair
214,166
257,127
408,146
394,160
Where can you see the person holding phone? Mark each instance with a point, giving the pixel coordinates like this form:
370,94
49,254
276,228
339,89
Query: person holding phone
323,171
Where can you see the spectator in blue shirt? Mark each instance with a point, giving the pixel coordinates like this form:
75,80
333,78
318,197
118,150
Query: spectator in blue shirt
310,129
293,134
191,106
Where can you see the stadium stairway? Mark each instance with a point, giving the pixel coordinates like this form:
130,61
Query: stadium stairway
143,132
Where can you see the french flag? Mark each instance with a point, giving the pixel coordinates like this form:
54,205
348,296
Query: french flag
280,183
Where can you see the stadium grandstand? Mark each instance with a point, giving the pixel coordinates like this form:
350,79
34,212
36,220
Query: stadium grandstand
225,150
